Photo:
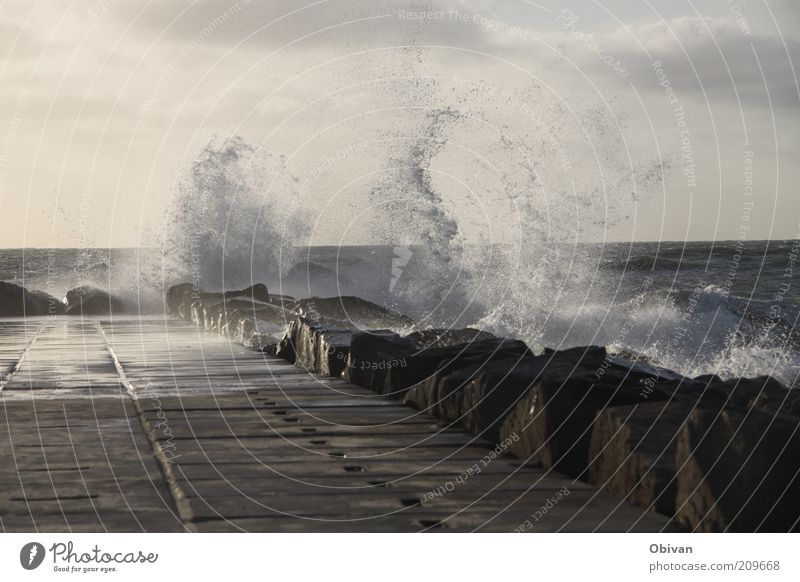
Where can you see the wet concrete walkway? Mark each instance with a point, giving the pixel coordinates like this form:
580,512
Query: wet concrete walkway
147,424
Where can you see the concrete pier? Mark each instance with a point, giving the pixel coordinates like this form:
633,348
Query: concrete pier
147,424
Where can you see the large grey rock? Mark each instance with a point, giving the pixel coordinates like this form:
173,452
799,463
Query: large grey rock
632,452
263,342
348,312
225,316
493,393
478,394
739,471
16,301
442,338
286,301
180,298
390,364
257,292
553,420
87,300
373,353
317,347
250,316
254,325
780,400
737,391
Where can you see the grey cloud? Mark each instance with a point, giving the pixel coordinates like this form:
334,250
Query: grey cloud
715,55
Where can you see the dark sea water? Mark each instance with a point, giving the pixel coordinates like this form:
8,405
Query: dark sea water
729,308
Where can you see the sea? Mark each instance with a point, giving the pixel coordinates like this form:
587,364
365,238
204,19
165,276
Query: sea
729,308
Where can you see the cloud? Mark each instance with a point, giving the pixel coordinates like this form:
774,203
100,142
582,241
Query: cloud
173,71
715,55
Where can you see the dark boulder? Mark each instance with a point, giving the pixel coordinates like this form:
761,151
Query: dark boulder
778,400
739,472
349,312
480,392
553,420
442,338
494,392
372,353
257,292
708,379
391,364
253,324
263,342
741,392
180,299
250,316
286,301
632,452
429,363
317,347
16,301
225,316
87,300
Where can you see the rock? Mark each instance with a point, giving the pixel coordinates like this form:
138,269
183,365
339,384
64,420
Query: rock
285,348
738,391
286,301
390,364
259,326
256,318
317,347
180,299
493,393
257,292
739,472
632,452
251,316
16,301
782,400
708,379
349,312
553,420
479,393
430,362
227,316
263,343
87,300
442,338
372,353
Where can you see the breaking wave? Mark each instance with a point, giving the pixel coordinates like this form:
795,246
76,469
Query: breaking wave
484,226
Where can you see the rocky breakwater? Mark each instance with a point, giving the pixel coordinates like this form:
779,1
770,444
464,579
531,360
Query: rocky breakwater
714,455
320,333
313,333
16,301
250,316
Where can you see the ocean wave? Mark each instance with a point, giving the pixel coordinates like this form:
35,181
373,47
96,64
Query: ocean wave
696,332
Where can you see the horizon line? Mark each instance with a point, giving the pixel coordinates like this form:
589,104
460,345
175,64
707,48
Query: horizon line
107,248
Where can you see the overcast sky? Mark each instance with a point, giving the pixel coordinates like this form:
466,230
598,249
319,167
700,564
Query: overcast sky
619,120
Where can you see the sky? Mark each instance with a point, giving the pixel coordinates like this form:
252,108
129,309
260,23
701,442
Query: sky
599,121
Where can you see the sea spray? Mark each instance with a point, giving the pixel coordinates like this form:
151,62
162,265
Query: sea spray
234,219
486,212
418,217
